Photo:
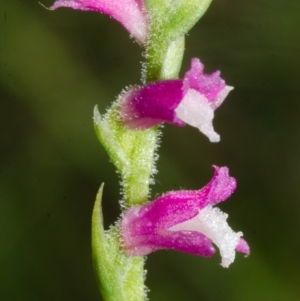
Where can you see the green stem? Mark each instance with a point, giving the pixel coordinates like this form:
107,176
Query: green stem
163,62
137,180
121,277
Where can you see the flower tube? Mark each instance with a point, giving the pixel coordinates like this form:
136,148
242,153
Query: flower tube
130,13
185,221
191,100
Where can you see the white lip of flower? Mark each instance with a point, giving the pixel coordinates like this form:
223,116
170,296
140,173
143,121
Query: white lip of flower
197,111
212,223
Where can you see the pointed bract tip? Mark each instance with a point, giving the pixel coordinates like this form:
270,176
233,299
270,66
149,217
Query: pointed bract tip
97,115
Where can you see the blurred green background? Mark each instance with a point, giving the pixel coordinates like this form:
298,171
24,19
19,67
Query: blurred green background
54,68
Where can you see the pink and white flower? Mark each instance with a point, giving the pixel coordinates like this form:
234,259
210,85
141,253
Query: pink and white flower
186,221
130,13
191,100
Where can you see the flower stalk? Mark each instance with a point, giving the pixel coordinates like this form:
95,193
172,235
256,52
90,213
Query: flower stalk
129,131
133,154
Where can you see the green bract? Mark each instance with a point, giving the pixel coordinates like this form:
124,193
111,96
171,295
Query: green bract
170,21
120,277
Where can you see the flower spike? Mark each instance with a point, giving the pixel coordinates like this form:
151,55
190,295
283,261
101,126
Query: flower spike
185,221
190,100
130,13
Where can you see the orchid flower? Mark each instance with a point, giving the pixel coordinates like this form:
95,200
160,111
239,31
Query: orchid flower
130,13
190,100
186,221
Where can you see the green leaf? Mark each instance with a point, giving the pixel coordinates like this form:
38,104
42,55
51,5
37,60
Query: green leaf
120,277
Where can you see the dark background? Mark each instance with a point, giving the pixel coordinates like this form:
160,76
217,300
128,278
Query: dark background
55,66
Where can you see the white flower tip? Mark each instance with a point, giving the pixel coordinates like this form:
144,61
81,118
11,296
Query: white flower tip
195,110
212,222
209,132
216,228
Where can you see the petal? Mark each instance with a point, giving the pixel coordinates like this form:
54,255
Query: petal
184,241
159,215
130,13
144,229
209,85
243,247
212,223
178,206
220,187
195,110
220,97
145,106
